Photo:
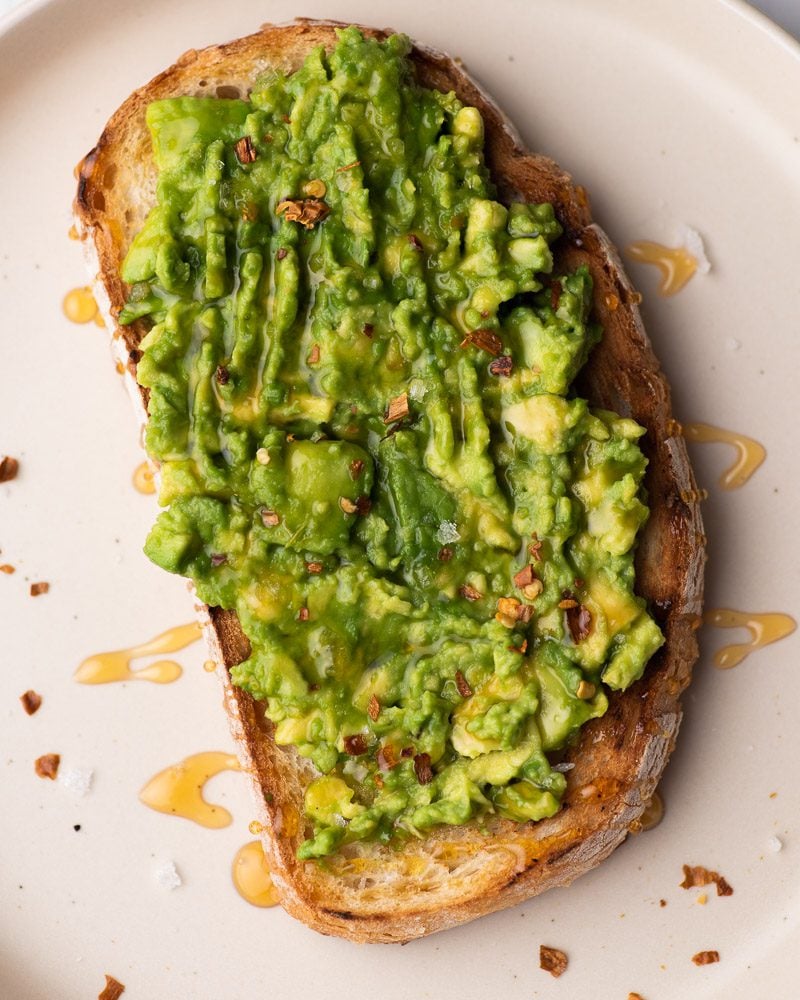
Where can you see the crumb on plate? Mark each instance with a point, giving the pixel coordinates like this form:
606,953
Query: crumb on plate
112,990
552,960
31,702
705,957
46,766
697,875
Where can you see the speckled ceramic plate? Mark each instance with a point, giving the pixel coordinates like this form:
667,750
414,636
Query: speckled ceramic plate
671,113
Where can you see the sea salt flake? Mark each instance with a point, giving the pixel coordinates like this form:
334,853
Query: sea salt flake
167,876
447,533
693,242
417,389
77,780
775,844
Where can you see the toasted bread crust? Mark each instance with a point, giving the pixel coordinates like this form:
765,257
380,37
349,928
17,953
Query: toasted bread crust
369,892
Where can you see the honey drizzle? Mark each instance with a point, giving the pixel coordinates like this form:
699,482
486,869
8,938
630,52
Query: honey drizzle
676,264
750,454
764,629
251,876
143,480
178,790
79,306
104,668
653,813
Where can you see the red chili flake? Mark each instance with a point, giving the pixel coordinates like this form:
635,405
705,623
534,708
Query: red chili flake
302,615
282,252
578,583
445,554
223,375
521,649
306,211
363,505
314,567
696,875
286,118
423,769
555,294
552,960
470,593
356,467
373,708
31,702
7,568
397,409
414,240
218,558
502,366
524,613
355,745
705,957
535,549
485,340
47,765
525,577
463,685
407,752
348,166
313,355
39,588
9,467
270,518
113,989
245,150
579,621
387,757
368,330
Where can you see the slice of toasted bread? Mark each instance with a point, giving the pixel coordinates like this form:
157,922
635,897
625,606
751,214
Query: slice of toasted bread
370,892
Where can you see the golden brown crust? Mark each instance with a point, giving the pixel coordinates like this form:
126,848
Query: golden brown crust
369,892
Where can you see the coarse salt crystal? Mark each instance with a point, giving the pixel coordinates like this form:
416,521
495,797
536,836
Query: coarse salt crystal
566,766
77,780
167,876
775,844
447,533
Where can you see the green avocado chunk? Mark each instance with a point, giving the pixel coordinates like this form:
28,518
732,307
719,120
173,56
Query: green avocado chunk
359,365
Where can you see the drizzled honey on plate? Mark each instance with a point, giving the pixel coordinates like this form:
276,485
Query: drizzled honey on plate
178,789
143,480
750,454
764,629
676,264
79,305
105,668
251,876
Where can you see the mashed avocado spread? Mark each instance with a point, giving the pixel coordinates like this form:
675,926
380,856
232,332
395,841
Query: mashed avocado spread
359,369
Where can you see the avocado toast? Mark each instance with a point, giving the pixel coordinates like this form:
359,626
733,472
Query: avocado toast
474,745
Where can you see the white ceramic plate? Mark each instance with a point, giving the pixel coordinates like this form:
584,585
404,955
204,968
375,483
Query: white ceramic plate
671,112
